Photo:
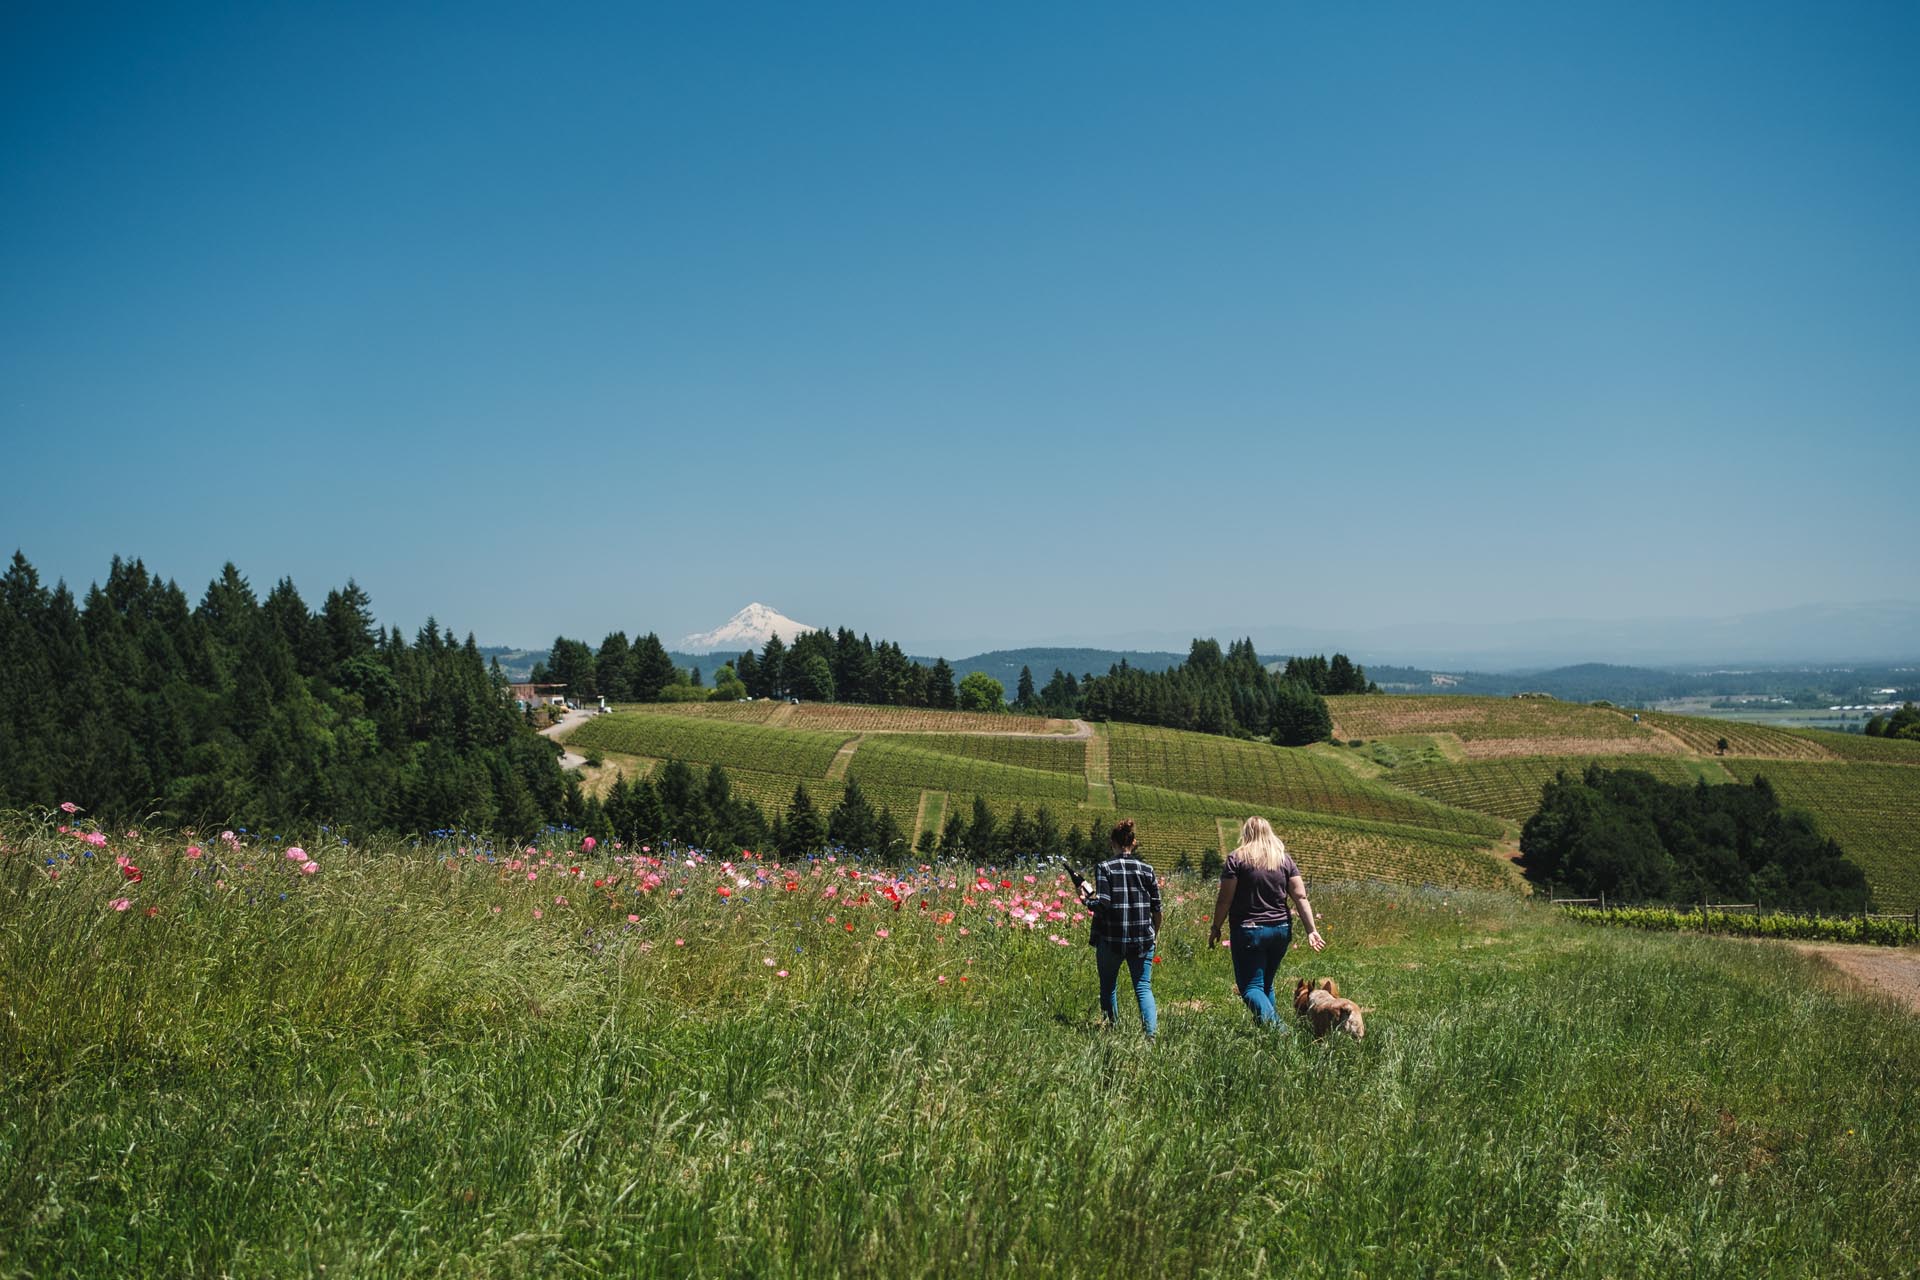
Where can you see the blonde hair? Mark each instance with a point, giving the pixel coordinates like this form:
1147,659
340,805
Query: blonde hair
1259,846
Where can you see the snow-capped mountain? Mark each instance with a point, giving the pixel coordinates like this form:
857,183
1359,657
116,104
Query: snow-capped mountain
748,629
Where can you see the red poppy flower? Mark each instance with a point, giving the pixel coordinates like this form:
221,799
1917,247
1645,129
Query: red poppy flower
133,873
725,892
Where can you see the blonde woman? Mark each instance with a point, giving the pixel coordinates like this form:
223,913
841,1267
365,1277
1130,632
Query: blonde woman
1259,878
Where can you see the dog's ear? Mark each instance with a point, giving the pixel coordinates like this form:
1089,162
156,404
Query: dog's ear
1329,986
1301,986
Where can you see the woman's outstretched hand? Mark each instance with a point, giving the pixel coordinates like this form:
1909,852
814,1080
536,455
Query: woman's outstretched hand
1315,941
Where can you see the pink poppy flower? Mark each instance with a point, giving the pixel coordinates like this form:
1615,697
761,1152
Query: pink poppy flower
308,868
69,807
781,974
633,919
679,942
193,851
538,914
121,904
296,854
879,933
588,844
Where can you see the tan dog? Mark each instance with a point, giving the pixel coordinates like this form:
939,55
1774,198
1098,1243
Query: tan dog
1320,1003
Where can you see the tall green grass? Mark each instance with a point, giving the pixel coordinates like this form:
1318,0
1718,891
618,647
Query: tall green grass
381,1076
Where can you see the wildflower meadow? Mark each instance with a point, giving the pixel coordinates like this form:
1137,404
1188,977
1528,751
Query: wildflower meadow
243,1053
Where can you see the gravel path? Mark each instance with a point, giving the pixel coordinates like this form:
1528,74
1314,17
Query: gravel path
1887,971
567,724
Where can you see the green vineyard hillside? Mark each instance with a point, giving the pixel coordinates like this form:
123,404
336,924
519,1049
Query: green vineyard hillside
1186,792
1435,793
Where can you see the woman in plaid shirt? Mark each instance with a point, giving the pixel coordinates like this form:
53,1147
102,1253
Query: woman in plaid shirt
1125,903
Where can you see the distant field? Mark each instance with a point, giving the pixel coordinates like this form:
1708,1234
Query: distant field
902,762
1858,746
1495,727
1873,810
1047,752
1262,775
1510,788
1355,828
830,715
1464,767
703,740
1743,738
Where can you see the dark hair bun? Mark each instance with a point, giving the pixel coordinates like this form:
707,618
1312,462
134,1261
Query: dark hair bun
1122,835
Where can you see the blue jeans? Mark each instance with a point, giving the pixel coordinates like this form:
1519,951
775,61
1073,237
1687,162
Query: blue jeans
1140,967
1257,949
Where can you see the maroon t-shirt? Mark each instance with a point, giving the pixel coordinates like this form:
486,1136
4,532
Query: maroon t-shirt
1259,895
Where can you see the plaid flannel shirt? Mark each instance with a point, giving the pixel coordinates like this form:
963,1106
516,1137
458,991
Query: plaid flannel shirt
1125,898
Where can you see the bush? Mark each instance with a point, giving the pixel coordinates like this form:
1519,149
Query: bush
1775,924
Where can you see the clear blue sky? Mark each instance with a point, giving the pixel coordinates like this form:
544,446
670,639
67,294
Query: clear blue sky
970,323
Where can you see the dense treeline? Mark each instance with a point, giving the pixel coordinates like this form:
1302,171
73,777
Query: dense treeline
1630,836
1231,693
1904,723
678,803
819,666
256,712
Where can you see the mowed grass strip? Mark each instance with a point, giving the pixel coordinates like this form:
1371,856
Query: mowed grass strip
457,1091
1497,726
1510,788
1259,774
1873,810
697,741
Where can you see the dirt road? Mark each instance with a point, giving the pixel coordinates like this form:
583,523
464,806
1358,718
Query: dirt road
567,724
1887,971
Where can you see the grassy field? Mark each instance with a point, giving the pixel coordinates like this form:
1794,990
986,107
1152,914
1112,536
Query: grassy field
435,1061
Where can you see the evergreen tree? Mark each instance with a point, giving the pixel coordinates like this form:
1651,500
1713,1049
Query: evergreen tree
803,832
612,676
652,668
1024,694
852,824
748,670
773,668
814,680
983,837
953,836
940,688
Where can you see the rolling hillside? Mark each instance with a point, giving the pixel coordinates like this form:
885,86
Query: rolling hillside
1187,792
1435,794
